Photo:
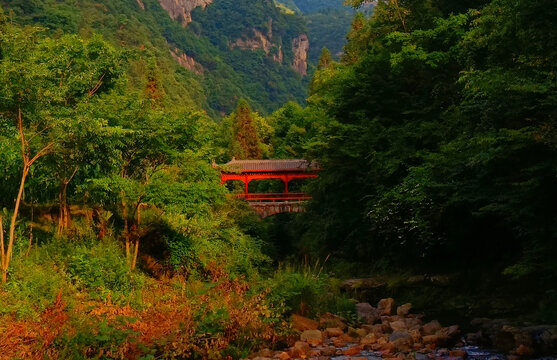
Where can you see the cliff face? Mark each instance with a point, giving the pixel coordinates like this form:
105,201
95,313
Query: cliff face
187,61
300,47
180,10
258,41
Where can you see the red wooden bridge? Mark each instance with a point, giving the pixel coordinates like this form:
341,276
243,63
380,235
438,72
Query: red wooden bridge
267,204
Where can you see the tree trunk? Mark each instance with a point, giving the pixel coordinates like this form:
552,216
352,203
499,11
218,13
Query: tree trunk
126,229
64,211
136,251
14,216
2,251
30,240
62,208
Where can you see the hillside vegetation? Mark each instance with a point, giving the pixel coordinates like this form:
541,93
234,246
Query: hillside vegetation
213,75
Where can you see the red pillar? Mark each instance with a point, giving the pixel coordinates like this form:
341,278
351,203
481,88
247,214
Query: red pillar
285,179
246,184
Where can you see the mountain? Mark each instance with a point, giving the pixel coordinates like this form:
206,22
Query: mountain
206,53
328,22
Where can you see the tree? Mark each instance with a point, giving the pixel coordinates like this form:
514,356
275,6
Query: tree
246,143
39,88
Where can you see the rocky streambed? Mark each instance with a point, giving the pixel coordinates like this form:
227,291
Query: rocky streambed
388,332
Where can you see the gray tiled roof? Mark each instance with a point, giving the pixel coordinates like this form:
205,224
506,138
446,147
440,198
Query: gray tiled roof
266,165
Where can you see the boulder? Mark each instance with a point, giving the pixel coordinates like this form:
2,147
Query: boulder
431,327
416,335
403,310
449,332
430,339
361,332
524,350
385,306
367,312
328,320
302,323
402,341
266,353
366,283
329,351
354,350
397,335
376,329
312,337
284,356
333,332
338,342
349,339
458,353
300,349
398,325
412,323
369,339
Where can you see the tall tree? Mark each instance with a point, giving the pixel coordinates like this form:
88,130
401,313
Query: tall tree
246,143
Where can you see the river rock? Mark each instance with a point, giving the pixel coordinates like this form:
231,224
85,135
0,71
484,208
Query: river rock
354,350
328,320
416,335
448,332
369,339
300,349
385,306
403,310
412,323
431,327
402,341
376,329
312,337
431,339
302,323
367,312
458,353
333,332
329,351
284,356
265,353
398,325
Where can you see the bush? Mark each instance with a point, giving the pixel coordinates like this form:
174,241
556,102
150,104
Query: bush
32,286
307,291
103,270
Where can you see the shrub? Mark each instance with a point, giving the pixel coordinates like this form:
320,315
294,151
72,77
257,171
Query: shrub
307,291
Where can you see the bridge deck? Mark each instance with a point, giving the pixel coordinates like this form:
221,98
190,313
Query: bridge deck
272,197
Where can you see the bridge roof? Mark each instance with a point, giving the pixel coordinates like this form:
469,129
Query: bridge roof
269,165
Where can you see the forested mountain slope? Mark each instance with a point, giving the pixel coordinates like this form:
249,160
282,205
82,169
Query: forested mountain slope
204,53
328,22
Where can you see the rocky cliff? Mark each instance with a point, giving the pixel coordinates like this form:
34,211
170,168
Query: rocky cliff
187,61
258,41
300,47
180,10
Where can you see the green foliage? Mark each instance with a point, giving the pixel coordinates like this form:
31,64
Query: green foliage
33,286
246,140
102,270
227,74
438,147
308,291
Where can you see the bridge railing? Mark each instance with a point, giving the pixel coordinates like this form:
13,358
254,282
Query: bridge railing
274,197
